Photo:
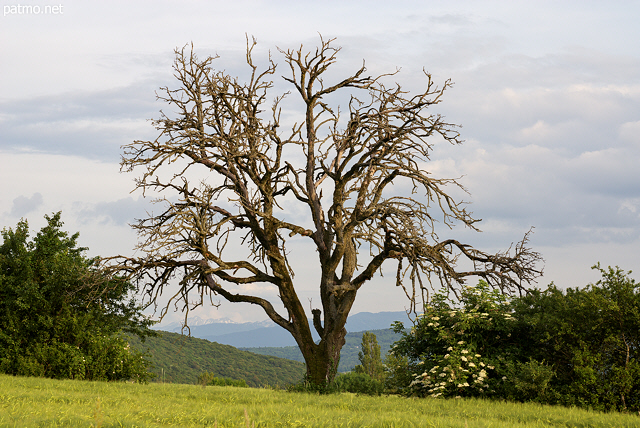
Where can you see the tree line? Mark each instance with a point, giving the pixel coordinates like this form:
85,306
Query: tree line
574,347
61,317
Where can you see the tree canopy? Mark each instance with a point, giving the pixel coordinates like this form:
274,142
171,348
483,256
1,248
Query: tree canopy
230,169
59,314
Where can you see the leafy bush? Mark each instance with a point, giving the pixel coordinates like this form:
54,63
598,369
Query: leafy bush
528,381
210,379
591,339
458,351
397,376
60,316
577,347
358,383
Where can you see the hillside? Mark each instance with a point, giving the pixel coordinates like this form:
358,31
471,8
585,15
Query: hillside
180,359
348,355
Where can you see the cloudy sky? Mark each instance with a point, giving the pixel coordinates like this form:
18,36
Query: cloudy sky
547,93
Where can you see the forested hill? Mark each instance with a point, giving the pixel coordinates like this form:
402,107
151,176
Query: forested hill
180,359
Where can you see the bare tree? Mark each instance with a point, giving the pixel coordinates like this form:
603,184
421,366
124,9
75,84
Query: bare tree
229,134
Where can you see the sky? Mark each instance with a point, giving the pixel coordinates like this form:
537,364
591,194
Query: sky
547,94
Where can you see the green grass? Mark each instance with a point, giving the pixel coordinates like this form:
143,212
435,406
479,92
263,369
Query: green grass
29,402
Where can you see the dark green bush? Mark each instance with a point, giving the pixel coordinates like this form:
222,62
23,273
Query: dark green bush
577,347
210,379
60,315
358,383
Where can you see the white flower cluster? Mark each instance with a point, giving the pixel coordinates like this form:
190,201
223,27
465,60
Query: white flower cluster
458,371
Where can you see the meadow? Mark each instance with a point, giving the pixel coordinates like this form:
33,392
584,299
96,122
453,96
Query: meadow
38,402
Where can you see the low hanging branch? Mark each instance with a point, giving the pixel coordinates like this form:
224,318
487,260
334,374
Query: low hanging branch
223,130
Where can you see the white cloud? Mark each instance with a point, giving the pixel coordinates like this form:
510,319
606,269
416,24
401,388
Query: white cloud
630,132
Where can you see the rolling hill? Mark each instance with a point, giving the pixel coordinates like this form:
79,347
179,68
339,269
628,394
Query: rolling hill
180,359
268,355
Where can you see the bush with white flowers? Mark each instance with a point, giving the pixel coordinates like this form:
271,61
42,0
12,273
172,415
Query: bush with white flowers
458,350
574,347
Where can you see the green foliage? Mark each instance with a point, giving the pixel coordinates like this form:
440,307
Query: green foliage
397,376
357,383
60,316
370,362
576,348
529,381
181,359
210,379
458,351
591,339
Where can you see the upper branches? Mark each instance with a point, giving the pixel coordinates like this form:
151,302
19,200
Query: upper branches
226,167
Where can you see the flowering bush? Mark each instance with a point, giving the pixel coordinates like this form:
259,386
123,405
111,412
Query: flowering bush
459,351
574,347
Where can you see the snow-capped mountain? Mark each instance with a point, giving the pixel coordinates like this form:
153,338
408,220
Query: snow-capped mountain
200,326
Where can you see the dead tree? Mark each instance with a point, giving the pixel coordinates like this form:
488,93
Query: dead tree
225,166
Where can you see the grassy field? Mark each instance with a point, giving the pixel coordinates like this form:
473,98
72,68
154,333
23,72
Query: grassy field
31,402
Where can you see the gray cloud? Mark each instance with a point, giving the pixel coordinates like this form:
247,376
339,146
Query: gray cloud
23,205
120,213
548,97
88,124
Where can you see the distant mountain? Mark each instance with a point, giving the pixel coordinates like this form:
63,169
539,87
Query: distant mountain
206,327
363,321
267,334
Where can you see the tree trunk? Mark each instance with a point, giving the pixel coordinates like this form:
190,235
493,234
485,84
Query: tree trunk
322,359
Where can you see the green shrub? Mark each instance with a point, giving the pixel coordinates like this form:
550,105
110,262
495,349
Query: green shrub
60,314
591,338
574,347
210,379
358,383
397,375
529,381
457,350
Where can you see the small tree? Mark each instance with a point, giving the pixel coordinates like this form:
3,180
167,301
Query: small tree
369,356
228,171
60,315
